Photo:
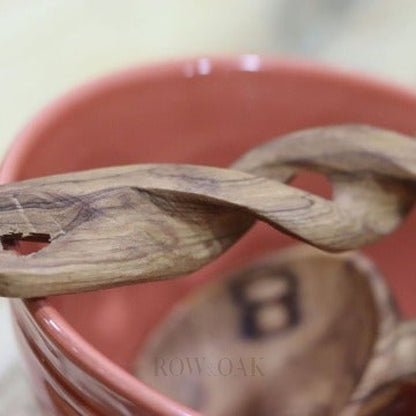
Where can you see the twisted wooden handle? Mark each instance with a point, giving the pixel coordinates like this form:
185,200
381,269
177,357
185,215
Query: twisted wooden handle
126,224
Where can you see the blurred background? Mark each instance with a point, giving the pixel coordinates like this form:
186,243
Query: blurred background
47,47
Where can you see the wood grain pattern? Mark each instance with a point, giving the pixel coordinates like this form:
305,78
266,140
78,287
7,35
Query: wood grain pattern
346,353
126,224
388,386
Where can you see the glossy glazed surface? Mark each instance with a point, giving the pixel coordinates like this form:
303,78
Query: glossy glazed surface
80,348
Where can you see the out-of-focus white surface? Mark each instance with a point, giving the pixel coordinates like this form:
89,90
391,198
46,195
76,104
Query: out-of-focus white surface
48,46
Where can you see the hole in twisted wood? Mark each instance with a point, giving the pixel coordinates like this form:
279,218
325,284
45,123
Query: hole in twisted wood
24,245
313,182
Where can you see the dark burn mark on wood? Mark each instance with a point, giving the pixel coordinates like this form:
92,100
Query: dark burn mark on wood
288,300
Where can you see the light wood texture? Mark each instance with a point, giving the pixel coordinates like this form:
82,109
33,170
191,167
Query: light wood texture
388,386
127,224
300,332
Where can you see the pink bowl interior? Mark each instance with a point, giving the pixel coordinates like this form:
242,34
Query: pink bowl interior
174,113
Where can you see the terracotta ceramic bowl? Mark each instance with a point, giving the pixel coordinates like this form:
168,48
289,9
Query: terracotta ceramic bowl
81,348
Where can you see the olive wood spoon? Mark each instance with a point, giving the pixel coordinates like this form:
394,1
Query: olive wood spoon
120,225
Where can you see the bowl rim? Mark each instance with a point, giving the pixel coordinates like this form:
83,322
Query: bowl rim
49,320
